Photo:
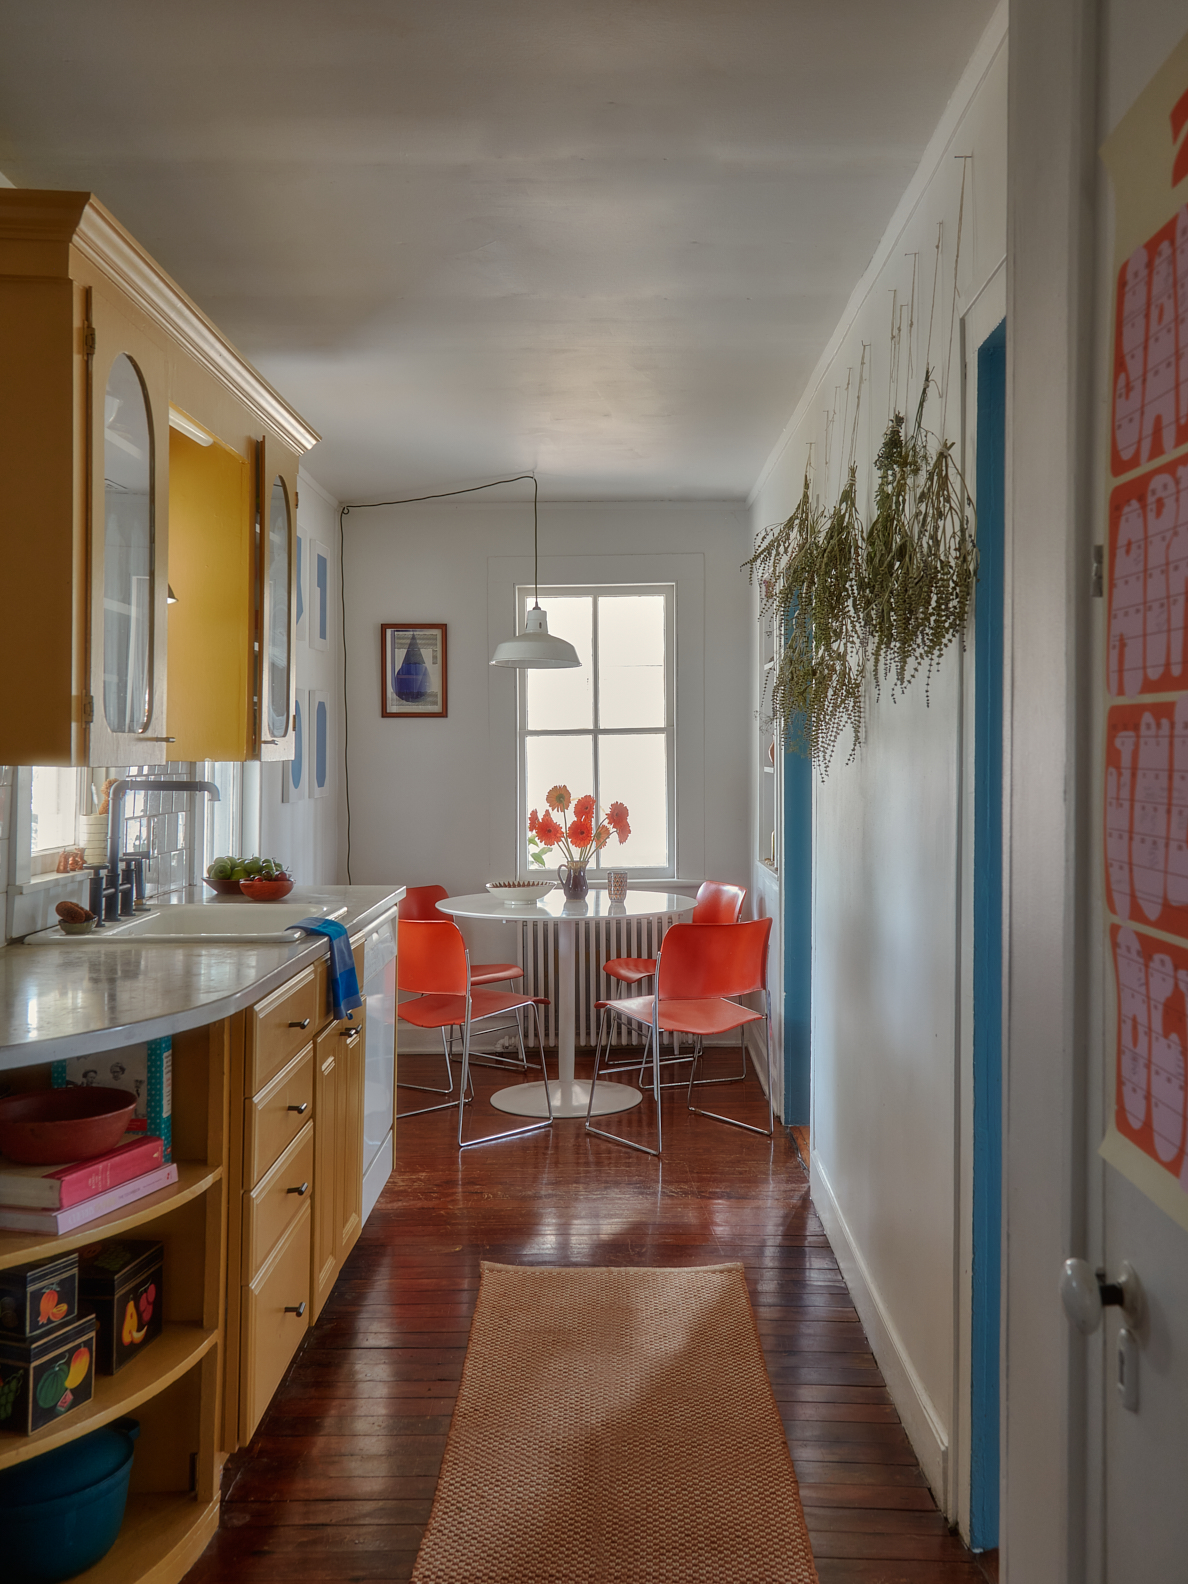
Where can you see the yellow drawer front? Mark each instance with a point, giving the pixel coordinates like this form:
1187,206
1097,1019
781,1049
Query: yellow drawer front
277,1115
277,1200
275,1317
279,1027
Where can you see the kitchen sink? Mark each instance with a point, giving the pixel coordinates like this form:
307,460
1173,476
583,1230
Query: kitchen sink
218,922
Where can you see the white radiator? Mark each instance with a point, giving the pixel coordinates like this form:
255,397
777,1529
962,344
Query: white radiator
596,941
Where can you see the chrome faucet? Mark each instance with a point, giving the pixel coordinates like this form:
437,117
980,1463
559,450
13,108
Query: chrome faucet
107,892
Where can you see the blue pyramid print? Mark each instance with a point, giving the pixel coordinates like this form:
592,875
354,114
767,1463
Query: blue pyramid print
411,682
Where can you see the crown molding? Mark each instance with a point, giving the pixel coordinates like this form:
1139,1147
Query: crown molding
81,221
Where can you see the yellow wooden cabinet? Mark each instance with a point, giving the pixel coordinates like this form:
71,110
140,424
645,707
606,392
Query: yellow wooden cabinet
138,451
338,1138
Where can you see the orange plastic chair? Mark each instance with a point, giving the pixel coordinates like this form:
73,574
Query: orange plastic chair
420,902
434,965
717,903
701,967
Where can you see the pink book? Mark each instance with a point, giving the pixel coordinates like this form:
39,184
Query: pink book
58,1221
59,1187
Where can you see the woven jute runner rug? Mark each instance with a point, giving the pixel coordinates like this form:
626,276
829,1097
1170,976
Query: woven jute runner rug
615,1426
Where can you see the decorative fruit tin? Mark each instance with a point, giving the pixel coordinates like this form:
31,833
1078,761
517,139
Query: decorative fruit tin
46,1376
120,1284
33,1298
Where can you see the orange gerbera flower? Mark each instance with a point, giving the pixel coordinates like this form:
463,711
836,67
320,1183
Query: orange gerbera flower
616,818
601,836
558,797
581,831
548,830
583,809
534,821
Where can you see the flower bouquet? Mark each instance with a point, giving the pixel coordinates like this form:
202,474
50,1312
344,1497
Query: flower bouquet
579,837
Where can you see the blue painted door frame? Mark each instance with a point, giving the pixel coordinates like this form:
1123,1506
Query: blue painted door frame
987,924
798,933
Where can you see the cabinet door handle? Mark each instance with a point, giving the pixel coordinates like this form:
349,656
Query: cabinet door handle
300,1192
304,1023
350,1035
297,1309
301,1109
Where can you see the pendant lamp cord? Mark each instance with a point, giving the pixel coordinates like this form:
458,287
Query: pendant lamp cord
408,500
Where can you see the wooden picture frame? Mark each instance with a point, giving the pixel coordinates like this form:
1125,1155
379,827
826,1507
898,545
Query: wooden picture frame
413,670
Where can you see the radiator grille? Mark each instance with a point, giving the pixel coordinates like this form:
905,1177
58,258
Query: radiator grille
595,941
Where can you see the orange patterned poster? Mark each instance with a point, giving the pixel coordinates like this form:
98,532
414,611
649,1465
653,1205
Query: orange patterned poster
1145,769
1151,979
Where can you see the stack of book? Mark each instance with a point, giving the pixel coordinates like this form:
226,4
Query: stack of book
56,1199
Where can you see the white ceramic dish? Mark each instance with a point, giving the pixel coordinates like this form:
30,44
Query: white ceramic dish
520,893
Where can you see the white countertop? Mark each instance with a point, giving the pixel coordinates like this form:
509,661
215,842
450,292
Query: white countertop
73,1000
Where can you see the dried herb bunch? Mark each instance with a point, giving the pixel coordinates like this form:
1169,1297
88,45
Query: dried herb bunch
808,568
890,597
921,558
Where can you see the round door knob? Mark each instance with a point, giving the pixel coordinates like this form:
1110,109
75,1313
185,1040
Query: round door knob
1080,1295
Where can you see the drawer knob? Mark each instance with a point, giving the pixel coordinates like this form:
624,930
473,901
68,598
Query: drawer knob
351,1035
301,1109
300,1192
304,1023
297,1309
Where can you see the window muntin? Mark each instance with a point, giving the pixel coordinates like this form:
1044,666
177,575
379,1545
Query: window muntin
606,727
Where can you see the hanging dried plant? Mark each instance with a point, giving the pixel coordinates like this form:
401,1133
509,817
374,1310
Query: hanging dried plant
808,568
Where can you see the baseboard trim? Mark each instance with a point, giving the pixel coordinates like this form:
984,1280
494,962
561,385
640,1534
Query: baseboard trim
920,1419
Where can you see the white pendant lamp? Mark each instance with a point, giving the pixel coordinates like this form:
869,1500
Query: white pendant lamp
535,649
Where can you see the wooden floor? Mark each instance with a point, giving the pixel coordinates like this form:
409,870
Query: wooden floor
338,1481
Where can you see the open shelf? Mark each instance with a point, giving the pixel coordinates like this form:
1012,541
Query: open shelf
161,1536
193,1178
176,1350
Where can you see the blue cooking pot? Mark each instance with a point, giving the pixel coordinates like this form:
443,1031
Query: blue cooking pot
62,1511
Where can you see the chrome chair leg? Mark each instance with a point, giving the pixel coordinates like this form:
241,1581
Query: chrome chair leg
446,1105
748,1127
613,1138
508,1133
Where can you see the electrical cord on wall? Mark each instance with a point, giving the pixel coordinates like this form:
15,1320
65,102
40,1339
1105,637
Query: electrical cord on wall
408,500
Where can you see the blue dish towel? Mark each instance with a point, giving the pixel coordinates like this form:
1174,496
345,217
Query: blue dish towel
344,982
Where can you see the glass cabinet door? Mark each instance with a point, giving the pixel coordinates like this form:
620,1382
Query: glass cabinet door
276,686
128,547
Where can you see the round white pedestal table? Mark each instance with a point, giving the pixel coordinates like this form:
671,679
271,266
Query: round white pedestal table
570,1098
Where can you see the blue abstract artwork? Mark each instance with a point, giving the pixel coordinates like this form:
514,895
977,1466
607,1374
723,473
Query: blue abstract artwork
319,710
414,669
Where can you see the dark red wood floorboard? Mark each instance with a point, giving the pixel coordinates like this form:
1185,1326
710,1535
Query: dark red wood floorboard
338,1481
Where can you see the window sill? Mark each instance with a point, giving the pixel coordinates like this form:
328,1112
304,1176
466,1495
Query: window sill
39,882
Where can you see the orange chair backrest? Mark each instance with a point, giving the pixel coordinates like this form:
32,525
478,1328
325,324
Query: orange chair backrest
718,903
420,902
698,961
431,958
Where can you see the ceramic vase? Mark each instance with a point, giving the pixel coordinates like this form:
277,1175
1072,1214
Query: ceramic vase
573,881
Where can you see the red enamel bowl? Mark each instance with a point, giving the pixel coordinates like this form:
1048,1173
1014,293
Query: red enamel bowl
54,1126
265,890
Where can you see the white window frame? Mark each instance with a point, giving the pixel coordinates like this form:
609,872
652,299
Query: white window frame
613,856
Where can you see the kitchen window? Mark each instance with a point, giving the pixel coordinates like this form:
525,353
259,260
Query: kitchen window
606,727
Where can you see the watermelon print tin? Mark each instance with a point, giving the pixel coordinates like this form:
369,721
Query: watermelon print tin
45,1377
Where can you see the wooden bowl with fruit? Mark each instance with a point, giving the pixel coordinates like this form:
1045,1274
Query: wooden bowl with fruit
258,879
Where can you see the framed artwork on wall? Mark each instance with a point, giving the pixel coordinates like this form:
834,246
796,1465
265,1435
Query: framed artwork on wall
301,585
319,594
296,770
319,744
413,669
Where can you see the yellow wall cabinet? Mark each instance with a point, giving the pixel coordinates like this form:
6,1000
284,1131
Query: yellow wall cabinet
138,451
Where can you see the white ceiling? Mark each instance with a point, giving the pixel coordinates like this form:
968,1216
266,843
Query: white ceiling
469,237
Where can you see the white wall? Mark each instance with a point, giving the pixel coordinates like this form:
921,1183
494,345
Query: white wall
305,833
885,1128
434,801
